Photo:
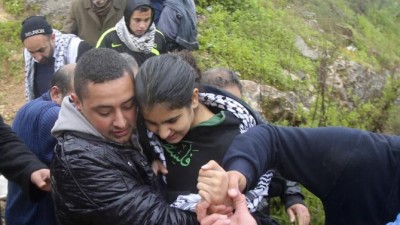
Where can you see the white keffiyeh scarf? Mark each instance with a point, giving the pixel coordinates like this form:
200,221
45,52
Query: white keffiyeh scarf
137,44
61,56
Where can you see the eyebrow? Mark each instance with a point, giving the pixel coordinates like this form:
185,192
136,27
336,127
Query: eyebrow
108,106
37,50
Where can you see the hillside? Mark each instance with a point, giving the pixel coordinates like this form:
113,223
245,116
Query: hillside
339,58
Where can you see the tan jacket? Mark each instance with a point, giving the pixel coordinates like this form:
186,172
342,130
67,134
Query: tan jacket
83,22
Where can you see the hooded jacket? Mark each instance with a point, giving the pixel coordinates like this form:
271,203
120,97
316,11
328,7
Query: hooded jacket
110,38
97,181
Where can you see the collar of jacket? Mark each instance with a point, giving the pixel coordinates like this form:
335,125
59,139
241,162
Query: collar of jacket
118,4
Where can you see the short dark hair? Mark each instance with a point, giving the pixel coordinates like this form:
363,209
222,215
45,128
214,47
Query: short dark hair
166,79
131,60
63,78
221,78
99,65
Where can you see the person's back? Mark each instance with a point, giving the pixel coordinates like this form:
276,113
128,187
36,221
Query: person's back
178,22
99,174
33,124
135,33
90,18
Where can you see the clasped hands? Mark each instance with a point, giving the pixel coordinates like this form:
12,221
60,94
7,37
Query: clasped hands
222,202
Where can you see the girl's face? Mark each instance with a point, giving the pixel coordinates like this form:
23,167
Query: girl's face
169,125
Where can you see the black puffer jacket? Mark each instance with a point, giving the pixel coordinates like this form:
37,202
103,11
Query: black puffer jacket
96,181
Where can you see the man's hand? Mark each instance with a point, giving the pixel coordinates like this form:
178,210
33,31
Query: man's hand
41,178
301,212
213,183
241,216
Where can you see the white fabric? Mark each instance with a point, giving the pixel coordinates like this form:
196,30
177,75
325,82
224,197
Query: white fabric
65,52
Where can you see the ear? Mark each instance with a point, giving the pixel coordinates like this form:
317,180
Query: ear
56,95
52,38
195,98
77,102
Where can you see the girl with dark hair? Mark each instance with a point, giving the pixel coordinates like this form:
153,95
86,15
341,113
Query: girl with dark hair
188,125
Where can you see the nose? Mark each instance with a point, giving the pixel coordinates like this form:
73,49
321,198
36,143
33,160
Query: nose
164,131
37,56
119,120
142,25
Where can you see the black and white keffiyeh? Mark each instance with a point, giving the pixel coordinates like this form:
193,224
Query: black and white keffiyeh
137,44
247,120
61,56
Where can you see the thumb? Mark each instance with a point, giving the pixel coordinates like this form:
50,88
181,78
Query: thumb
212,165
239,201
292,217
201,210
163,169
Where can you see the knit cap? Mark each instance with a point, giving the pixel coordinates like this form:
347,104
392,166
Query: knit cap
35,25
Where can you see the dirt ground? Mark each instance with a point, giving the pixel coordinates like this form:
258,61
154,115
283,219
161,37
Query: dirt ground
11,97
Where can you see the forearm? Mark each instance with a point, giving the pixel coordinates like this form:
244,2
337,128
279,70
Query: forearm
16,162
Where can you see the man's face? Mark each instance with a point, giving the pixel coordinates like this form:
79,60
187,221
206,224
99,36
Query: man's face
99,3
110,108
140,22
41,47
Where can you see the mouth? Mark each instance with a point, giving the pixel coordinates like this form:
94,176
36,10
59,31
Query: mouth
171,138
121,133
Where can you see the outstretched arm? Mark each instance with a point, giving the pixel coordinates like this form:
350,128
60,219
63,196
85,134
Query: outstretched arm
20,165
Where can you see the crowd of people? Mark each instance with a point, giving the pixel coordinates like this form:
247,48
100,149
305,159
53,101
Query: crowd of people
121,126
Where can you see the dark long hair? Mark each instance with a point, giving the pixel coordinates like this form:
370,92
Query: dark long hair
167,80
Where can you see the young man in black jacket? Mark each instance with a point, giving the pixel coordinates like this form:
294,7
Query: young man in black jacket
99,173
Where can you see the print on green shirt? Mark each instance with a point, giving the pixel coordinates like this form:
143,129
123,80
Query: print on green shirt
180,153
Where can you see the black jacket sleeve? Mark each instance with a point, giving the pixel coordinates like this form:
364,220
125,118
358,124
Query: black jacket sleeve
16,161
294,152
